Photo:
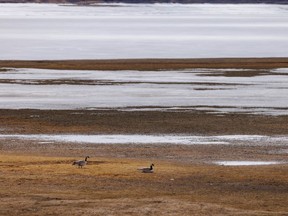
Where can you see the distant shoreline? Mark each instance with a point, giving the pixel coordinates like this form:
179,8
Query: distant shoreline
190,2
149,64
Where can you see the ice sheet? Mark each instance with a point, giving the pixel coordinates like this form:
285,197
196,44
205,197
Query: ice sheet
163,90
50,31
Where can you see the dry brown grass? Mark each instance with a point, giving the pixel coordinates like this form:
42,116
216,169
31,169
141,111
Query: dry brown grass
33,185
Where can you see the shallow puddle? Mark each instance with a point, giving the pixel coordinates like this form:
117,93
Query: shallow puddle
247,163
155,139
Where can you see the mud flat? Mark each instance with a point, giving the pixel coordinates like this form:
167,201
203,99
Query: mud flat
150,64
207,162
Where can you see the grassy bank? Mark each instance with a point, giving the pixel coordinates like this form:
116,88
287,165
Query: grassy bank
40,185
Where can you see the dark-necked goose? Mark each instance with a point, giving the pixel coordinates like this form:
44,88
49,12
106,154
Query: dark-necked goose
81,163
147,169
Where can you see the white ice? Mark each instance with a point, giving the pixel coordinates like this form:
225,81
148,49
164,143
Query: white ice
246,163
50,31
154,139
170,89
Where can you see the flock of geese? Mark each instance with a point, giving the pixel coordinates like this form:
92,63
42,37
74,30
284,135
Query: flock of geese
81,163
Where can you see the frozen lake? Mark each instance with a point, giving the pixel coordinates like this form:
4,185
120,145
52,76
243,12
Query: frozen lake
50,31
266,92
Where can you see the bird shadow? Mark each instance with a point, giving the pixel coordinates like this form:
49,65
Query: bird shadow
96,162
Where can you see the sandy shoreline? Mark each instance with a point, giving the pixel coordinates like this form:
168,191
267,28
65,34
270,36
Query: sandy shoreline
37,178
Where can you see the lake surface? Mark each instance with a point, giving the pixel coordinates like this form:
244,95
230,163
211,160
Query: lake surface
266,92
50,31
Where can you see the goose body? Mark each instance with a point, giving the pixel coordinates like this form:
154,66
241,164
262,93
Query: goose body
147,169
81,163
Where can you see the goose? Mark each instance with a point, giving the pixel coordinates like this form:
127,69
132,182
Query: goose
147,169
81,163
